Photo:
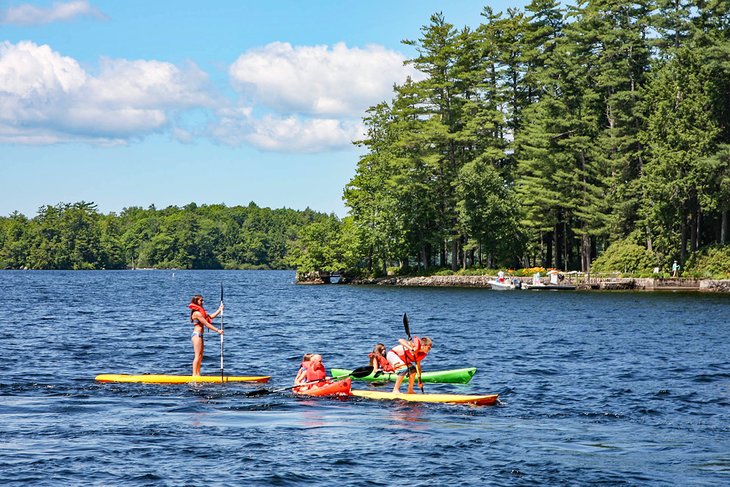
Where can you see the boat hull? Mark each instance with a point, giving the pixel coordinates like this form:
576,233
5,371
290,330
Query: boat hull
502,286
178,379
486,400
329,388
454,376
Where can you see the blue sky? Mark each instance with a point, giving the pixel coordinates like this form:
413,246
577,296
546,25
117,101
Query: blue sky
133,103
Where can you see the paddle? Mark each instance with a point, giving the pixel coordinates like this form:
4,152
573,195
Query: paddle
408,334
221,333
358,373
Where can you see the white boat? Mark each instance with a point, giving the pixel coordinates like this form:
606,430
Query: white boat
503,285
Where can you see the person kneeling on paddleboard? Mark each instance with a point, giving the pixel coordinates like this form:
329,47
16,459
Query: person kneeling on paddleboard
406,360
378,360
201,320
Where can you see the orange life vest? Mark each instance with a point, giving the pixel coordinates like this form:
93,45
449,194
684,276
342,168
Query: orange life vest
315,371
194,307
383,363
408,356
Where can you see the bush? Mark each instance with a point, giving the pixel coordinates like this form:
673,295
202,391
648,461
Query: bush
627,258
709,262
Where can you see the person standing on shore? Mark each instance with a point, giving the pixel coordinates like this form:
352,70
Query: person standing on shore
675,269
201,320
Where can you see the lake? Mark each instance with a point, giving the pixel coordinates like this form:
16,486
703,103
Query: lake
596,387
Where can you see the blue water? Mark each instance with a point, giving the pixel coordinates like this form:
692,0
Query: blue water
614,388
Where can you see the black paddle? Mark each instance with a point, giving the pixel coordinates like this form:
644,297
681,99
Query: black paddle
221,333
408,334
358,373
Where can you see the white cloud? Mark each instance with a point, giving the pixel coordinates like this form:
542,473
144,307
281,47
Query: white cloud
27,14
276,133
304,99
319,80
318,95
46,97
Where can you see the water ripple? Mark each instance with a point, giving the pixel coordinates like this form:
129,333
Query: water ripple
596,388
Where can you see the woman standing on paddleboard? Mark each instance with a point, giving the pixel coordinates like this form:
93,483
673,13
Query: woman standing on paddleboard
201,320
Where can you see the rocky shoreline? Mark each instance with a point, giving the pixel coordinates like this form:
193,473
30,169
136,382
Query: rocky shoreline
582,282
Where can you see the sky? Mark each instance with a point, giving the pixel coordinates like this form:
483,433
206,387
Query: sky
139,103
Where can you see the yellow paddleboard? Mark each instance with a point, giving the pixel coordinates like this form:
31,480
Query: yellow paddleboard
178,379
442,398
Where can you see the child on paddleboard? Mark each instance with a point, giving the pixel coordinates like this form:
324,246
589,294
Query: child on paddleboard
406,360
378,360
201,320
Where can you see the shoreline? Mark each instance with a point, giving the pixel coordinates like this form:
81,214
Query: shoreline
582,282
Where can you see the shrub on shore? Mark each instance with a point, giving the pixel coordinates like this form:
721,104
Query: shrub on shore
710,262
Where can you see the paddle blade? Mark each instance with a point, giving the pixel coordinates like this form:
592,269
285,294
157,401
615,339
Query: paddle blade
259,392
405,325
361,372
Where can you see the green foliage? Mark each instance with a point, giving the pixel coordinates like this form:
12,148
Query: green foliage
627,258
323,245
710,262
76,236
541,137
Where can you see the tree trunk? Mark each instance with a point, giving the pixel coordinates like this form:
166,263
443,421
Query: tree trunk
566,247
723,227
648,241
683,233
442,254
694,223
547,260
455,254
556,246
585,253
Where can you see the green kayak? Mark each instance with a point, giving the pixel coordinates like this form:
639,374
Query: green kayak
454,376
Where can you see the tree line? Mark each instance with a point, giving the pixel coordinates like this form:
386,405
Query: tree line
78,236
545,136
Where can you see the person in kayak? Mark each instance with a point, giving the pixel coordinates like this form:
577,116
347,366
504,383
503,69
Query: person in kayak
315,372
301,377
201,320
406,360
378,360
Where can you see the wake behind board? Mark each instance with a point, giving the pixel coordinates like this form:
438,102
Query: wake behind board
178,379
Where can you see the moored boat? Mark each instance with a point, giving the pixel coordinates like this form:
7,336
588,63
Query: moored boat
453,376
483,400
178,379
503,285
326,388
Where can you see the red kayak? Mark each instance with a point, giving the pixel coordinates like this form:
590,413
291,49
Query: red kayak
326,388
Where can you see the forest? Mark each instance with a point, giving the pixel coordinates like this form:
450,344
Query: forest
78,236
589,137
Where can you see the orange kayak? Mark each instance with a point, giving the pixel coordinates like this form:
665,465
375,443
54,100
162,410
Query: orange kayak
327,388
